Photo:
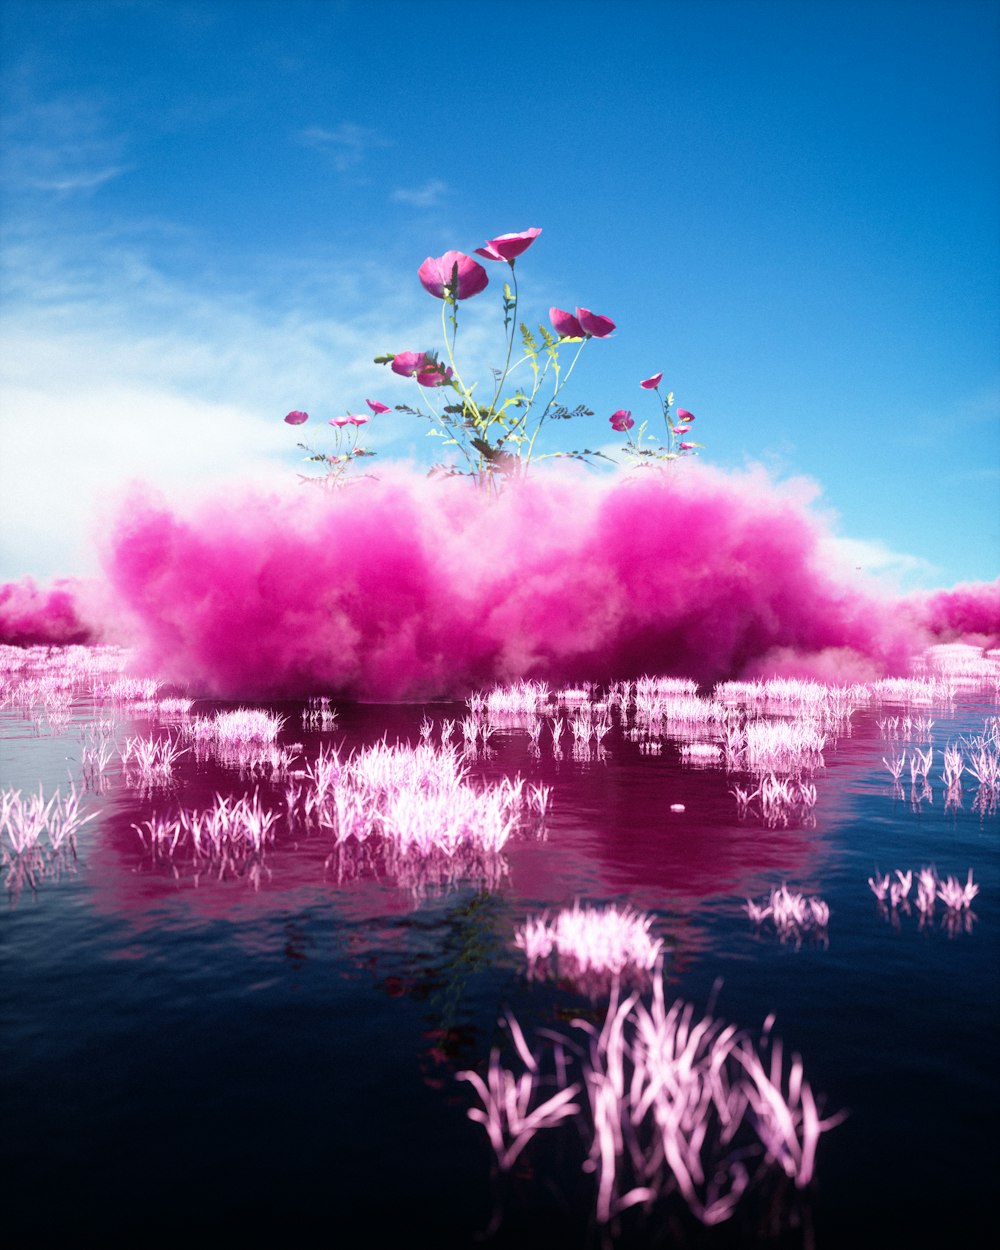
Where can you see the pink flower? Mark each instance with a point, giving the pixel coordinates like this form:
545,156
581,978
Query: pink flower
296,418
453,275
409,364
418,365
339,422
565,324
681,429
688,446
357,418
621,420
508,246
650,384
597,327
434,375
376,407
684,415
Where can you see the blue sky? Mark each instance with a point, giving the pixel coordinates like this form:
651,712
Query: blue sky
213,213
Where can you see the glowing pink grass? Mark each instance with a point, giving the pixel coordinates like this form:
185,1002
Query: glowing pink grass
590,939
675,1103
227,831
416,799
778,800
25,818
793,915
893,897
151,760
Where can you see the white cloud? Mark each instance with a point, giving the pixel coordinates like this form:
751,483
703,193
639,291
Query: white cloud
427,196
346,145
873,566
113,372
61,145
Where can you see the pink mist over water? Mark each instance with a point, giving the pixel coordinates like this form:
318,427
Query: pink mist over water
402,588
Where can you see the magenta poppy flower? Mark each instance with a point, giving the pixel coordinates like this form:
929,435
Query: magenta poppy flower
434,375
454,274
376,407
683,415
621,420
688,446
296,418
680,429
597,327
358,418
565,324
339,422
650,384
409,364
508,246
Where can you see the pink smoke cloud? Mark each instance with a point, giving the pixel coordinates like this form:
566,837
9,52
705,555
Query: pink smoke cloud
969,612
65,612
404,588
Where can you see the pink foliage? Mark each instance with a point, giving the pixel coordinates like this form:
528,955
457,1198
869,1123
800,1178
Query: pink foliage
409,588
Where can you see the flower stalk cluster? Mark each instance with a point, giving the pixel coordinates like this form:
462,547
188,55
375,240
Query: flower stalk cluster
494,429
346,448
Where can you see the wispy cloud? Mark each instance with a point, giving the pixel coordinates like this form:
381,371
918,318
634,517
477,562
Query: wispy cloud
874,565
114,371
346,146
427,196
63,146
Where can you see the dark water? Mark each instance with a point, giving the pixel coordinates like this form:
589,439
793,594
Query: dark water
269,1055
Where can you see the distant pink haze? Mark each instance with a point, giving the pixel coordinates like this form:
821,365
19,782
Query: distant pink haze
404,588
66,611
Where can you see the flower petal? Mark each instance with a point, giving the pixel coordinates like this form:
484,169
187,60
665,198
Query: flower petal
408,363
508,246
297,418
650,384
376,407
453,274
597,327
565,324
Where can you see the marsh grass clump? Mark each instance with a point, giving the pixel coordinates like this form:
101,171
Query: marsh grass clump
667,1104
588,946
38,835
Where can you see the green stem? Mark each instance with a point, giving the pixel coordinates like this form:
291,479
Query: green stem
545,411
468,403
510,341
